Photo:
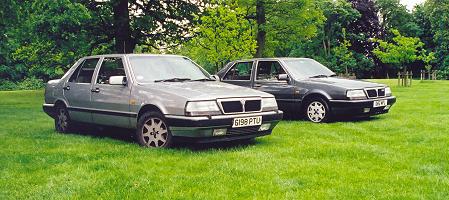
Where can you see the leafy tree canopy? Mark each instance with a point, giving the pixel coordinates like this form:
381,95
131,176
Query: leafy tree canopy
401,51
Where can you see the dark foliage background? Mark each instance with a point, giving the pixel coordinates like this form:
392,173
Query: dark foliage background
40,39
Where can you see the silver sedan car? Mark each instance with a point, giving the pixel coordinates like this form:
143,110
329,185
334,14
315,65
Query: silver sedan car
162,97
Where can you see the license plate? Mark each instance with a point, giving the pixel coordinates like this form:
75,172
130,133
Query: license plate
379,103
247,121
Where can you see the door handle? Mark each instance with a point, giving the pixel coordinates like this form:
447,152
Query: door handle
257,85
66,87
96,90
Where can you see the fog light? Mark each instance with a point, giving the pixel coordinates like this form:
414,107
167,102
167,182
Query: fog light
387,107
221,131
264,127
366,110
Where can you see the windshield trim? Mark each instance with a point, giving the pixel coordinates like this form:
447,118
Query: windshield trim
128,62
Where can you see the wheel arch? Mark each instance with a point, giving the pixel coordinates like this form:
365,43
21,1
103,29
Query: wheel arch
52,110
315,94
148,107
60,102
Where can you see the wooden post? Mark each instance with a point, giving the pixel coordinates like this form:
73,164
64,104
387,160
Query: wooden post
405,78
411,78
399,78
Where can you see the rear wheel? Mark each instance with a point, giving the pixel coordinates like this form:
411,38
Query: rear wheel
317,110
63,123
153,131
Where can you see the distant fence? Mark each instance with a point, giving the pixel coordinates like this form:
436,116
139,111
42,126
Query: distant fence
350,76
430,75
405,79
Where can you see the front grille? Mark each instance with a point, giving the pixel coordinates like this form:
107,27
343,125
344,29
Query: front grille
381,92
252,105
372,93
243,130
375,92
240,105
232,106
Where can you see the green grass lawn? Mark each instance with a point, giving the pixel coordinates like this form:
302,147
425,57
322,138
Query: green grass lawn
403,154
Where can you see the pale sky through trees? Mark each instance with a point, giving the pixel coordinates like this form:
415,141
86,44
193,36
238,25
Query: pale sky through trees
411,3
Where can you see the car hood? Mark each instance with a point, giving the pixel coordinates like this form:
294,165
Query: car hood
346,83
206,90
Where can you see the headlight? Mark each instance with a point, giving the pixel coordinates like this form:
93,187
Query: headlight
201,108
355,94
269,104
387,91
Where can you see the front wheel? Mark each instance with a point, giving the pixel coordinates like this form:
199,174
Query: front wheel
153,131
317,110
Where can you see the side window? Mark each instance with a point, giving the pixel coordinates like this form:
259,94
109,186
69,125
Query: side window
110,67
75,73
84,73
240,71
269,70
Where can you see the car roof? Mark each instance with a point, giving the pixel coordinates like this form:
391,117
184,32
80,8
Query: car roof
131,54
272,58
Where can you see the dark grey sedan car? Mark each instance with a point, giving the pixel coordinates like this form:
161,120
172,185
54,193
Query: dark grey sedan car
303,85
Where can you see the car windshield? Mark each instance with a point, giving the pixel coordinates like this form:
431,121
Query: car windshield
148,69
307,68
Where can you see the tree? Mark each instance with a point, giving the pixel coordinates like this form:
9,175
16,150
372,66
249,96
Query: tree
395,15
261,20
339,14
428,59
345,61
60,37
422,18
221,35
401,51
438,11
365,28
136,22
281,25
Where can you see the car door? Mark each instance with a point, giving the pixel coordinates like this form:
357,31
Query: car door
239,74
77,91
111,102
266,80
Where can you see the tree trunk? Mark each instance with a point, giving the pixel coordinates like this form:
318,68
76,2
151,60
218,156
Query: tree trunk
261,34
123,41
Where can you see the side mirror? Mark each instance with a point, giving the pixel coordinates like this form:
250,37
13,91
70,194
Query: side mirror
117,80
215,77
283,77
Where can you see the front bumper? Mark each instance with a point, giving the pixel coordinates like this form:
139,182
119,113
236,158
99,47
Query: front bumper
360,107
49,109
200,129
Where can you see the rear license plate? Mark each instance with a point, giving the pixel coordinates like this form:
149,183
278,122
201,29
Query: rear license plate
379,103
247,121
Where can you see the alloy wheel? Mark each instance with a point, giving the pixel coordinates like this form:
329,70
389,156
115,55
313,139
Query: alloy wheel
155,132
316,111
63,120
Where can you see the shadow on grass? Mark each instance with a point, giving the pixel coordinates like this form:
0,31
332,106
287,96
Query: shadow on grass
356,119
97,131
127,135
238,144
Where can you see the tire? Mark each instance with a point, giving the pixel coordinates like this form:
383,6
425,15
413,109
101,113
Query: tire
63,123
153,131
317,110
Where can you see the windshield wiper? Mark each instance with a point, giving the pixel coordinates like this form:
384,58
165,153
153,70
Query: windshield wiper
319,76
173,80
333,75
204,79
